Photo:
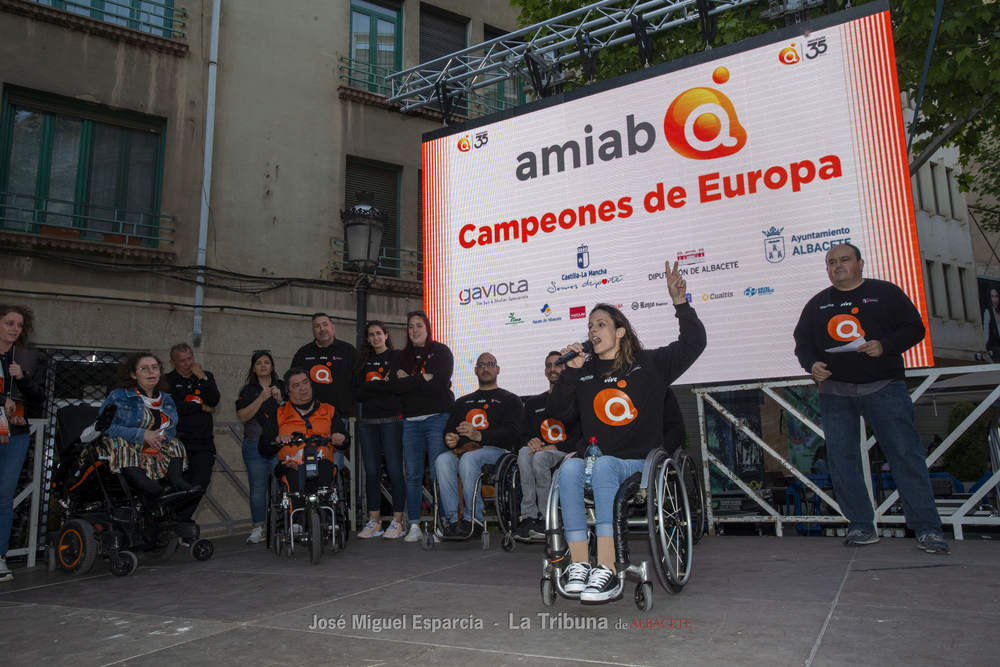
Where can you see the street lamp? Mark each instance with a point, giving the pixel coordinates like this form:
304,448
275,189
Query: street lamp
363,227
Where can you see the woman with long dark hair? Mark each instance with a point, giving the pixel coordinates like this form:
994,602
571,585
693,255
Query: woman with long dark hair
20,383
424,384
618,394
380,428
261,390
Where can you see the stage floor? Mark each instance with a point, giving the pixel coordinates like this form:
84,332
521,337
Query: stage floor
751,601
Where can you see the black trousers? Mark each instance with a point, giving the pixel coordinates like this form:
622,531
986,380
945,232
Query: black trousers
200,464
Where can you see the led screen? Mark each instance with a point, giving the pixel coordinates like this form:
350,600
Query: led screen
742,165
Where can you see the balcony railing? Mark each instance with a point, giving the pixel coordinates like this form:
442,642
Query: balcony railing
149,16
392,262
87,222
365,76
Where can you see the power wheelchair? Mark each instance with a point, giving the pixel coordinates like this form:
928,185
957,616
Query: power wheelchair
104,516
317,514
671,510
500,477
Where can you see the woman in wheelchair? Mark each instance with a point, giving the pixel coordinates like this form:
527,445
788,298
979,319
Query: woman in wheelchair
304,416
618,395
141,441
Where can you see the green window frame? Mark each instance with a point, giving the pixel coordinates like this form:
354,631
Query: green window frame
152,16
368,67
80,166
504,94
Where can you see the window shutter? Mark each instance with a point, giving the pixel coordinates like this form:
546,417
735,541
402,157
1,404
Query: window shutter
440,36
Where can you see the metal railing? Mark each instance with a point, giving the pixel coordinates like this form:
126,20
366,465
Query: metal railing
363,75
158,18
57,217
408,262
770,514
34,490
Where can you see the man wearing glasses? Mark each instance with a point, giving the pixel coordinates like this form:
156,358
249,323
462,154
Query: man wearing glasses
483,425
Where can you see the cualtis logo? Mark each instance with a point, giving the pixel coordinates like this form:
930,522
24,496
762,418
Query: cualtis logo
789,55
701,124
463,145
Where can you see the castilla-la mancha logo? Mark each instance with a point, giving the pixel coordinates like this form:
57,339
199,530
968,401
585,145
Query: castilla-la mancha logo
701,123
774,245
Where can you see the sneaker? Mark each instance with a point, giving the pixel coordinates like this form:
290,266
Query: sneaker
372,529
933,543
523,528
537,530
859,538
415,534
577,577
394,531
256,535
184,544
297,528
5,573
602,586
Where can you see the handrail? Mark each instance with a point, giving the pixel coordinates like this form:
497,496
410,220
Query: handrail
137,9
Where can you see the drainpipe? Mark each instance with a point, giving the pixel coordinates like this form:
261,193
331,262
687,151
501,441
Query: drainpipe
206,183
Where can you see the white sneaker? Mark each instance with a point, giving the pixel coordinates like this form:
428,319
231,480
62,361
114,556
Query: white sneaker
415,534
256,535
5,573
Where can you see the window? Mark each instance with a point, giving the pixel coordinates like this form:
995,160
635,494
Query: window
929,287
945,270
77,170
376,49
383,181
918,192
934,188
441,33
961,288
949,182
504,94
153,16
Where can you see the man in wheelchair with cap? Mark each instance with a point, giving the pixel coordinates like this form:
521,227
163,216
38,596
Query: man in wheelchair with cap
302,414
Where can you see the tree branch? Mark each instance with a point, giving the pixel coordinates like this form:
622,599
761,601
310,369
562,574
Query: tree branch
948,133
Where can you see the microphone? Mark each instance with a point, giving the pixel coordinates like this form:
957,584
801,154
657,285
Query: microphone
588,347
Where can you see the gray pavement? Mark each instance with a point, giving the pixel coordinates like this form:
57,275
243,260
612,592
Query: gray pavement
751,601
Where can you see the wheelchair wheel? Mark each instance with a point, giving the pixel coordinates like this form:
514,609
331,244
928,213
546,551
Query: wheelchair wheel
695,488
644,596
507,544
201,550
315,538
129,562
76,547
669,521
164,552
548,592
485,540
427,542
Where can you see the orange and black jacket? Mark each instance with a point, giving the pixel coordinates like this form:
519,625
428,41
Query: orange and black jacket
322,419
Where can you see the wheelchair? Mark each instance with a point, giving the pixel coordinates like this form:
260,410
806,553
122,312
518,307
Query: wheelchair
660,491
501,478
104,517
314,517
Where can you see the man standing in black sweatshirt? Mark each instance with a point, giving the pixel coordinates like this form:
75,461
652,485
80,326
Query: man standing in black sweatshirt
196,396
851,338
482,426
330,363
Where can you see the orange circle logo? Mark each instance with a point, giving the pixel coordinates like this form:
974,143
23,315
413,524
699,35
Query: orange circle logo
373,376
478,419
701,124
464,145
191,398
844,328
553,431
788,56
321,374
614,407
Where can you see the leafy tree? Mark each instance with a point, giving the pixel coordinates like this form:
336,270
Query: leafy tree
960,105
969,457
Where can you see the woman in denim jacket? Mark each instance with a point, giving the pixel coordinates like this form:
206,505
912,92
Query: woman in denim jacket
142,442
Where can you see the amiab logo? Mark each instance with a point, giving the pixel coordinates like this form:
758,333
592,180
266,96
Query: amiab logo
701,123
374,375
320,374
553,431
464,145
789,55
845,328
614,407
477,418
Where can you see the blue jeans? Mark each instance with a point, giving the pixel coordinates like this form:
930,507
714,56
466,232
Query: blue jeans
422,440
469,467
11,461
607,476
377,441
258,470
889,412
338,456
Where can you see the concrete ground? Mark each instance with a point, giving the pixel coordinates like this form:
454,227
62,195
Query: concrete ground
751,601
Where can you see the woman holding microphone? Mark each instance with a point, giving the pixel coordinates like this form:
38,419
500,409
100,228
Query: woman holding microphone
617,392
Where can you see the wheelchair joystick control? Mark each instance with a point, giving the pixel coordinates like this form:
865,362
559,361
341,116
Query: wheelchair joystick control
593,451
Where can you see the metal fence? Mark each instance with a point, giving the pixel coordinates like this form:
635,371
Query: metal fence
158,18
972,511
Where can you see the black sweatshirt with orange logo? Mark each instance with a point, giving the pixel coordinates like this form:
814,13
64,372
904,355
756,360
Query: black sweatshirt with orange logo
875,310
427,397
551,431
331,369
374,384
194,425
495,413
625,411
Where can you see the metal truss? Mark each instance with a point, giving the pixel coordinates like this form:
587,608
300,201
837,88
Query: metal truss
536,53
